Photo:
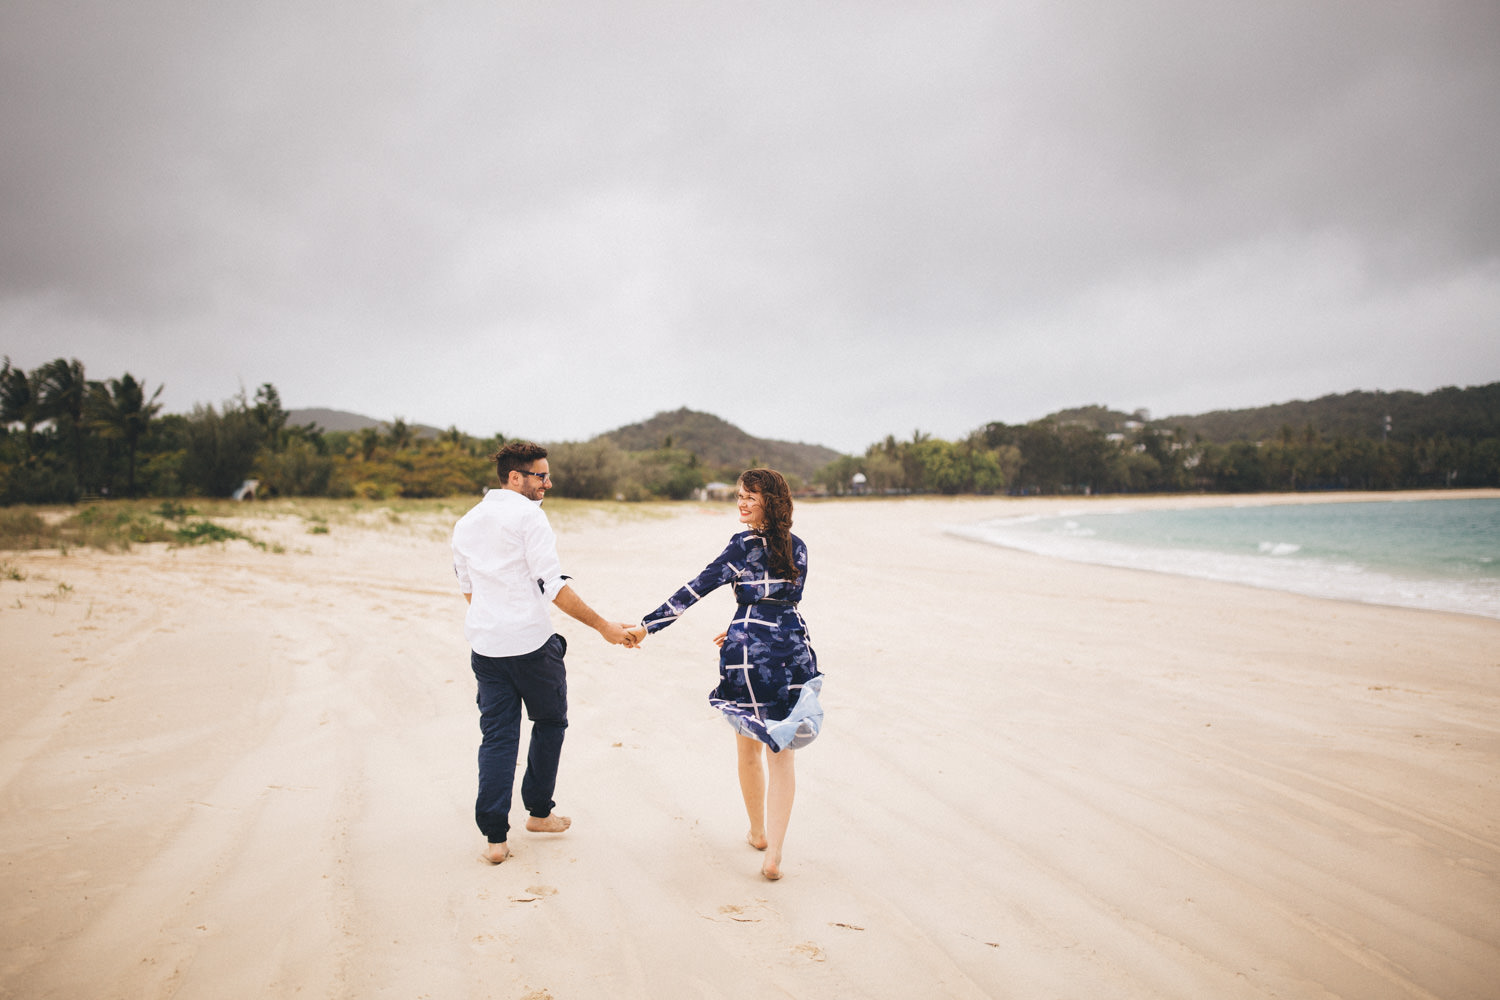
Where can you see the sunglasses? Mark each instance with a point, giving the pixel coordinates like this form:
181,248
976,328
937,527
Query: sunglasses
545,477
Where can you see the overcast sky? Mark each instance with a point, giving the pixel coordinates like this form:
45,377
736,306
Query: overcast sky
822,221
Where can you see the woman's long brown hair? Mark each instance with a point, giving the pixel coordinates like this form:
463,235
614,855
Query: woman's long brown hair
776,518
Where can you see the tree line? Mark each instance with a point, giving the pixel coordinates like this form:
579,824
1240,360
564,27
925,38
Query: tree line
1063,455
65,437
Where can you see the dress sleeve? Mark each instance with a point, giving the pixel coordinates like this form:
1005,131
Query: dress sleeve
729,564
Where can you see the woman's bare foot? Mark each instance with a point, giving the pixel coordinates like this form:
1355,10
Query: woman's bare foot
770,869
495,853
756,840
551,823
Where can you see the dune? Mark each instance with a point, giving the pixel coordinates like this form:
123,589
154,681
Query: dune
236,772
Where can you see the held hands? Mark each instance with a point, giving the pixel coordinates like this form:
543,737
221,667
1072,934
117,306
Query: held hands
618,634
623,634
634,635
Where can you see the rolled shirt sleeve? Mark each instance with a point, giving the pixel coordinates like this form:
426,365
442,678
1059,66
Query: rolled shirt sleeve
541,558
461,570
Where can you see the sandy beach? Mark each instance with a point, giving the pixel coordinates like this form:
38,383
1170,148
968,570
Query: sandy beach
237,772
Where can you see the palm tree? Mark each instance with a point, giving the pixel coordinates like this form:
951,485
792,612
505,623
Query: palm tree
121,407
401,435
270,416
369,440
63,393
18,401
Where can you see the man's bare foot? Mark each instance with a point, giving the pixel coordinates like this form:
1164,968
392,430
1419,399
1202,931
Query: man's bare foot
551,823
495,853
758,842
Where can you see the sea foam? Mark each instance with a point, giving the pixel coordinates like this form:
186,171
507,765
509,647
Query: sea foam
1365,555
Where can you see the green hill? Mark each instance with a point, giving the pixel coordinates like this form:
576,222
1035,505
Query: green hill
718,443
1472,413
343,420
1099,418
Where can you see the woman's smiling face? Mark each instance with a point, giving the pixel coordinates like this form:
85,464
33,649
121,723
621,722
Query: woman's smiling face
751,511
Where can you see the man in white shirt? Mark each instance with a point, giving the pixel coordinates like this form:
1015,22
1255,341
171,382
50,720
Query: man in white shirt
505,556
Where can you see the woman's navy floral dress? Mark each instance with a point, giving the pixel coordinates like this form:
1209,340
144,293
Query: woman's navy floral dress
768,672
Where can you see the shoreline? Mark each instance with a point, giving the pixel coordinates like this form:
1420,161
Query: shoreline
1180,499
1272,575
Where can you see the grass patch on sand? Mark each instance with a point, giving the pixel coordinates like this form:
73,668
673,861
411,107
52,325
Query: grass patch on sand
111,525
323,516
23,528
119,524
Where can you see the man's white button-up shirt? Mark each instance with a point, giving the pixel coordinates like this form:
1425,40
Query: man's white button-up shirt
505,555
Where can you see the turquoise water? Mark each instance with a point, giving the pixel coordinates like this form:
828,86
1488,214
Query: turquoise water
1441,555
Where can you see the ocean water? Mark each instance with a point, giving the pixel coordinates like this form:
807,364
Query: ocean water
1441,555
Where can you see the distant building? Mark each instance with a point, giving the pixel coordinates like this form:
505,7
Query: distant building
716,491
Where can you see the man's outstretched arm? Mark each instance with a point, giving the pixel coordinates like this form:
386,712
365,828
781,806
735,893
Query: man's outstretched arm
573,605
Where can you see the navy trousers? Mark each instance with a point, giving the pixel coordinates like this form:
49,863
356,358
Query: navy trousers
537,680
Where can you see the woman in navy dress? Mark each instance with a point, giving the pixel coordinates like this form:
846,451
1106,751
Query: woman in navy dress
768,673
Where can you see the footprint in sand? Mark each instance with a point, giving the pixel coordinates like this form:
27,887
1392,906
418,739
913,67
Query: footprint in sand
737,913
811,950
533,893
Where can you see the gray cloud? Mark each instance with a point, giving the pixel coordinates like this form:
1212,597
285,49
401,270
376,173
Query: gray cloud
825,222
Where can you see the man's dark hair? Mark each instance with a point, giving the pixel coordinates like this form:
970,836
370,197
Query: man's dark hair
516,455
